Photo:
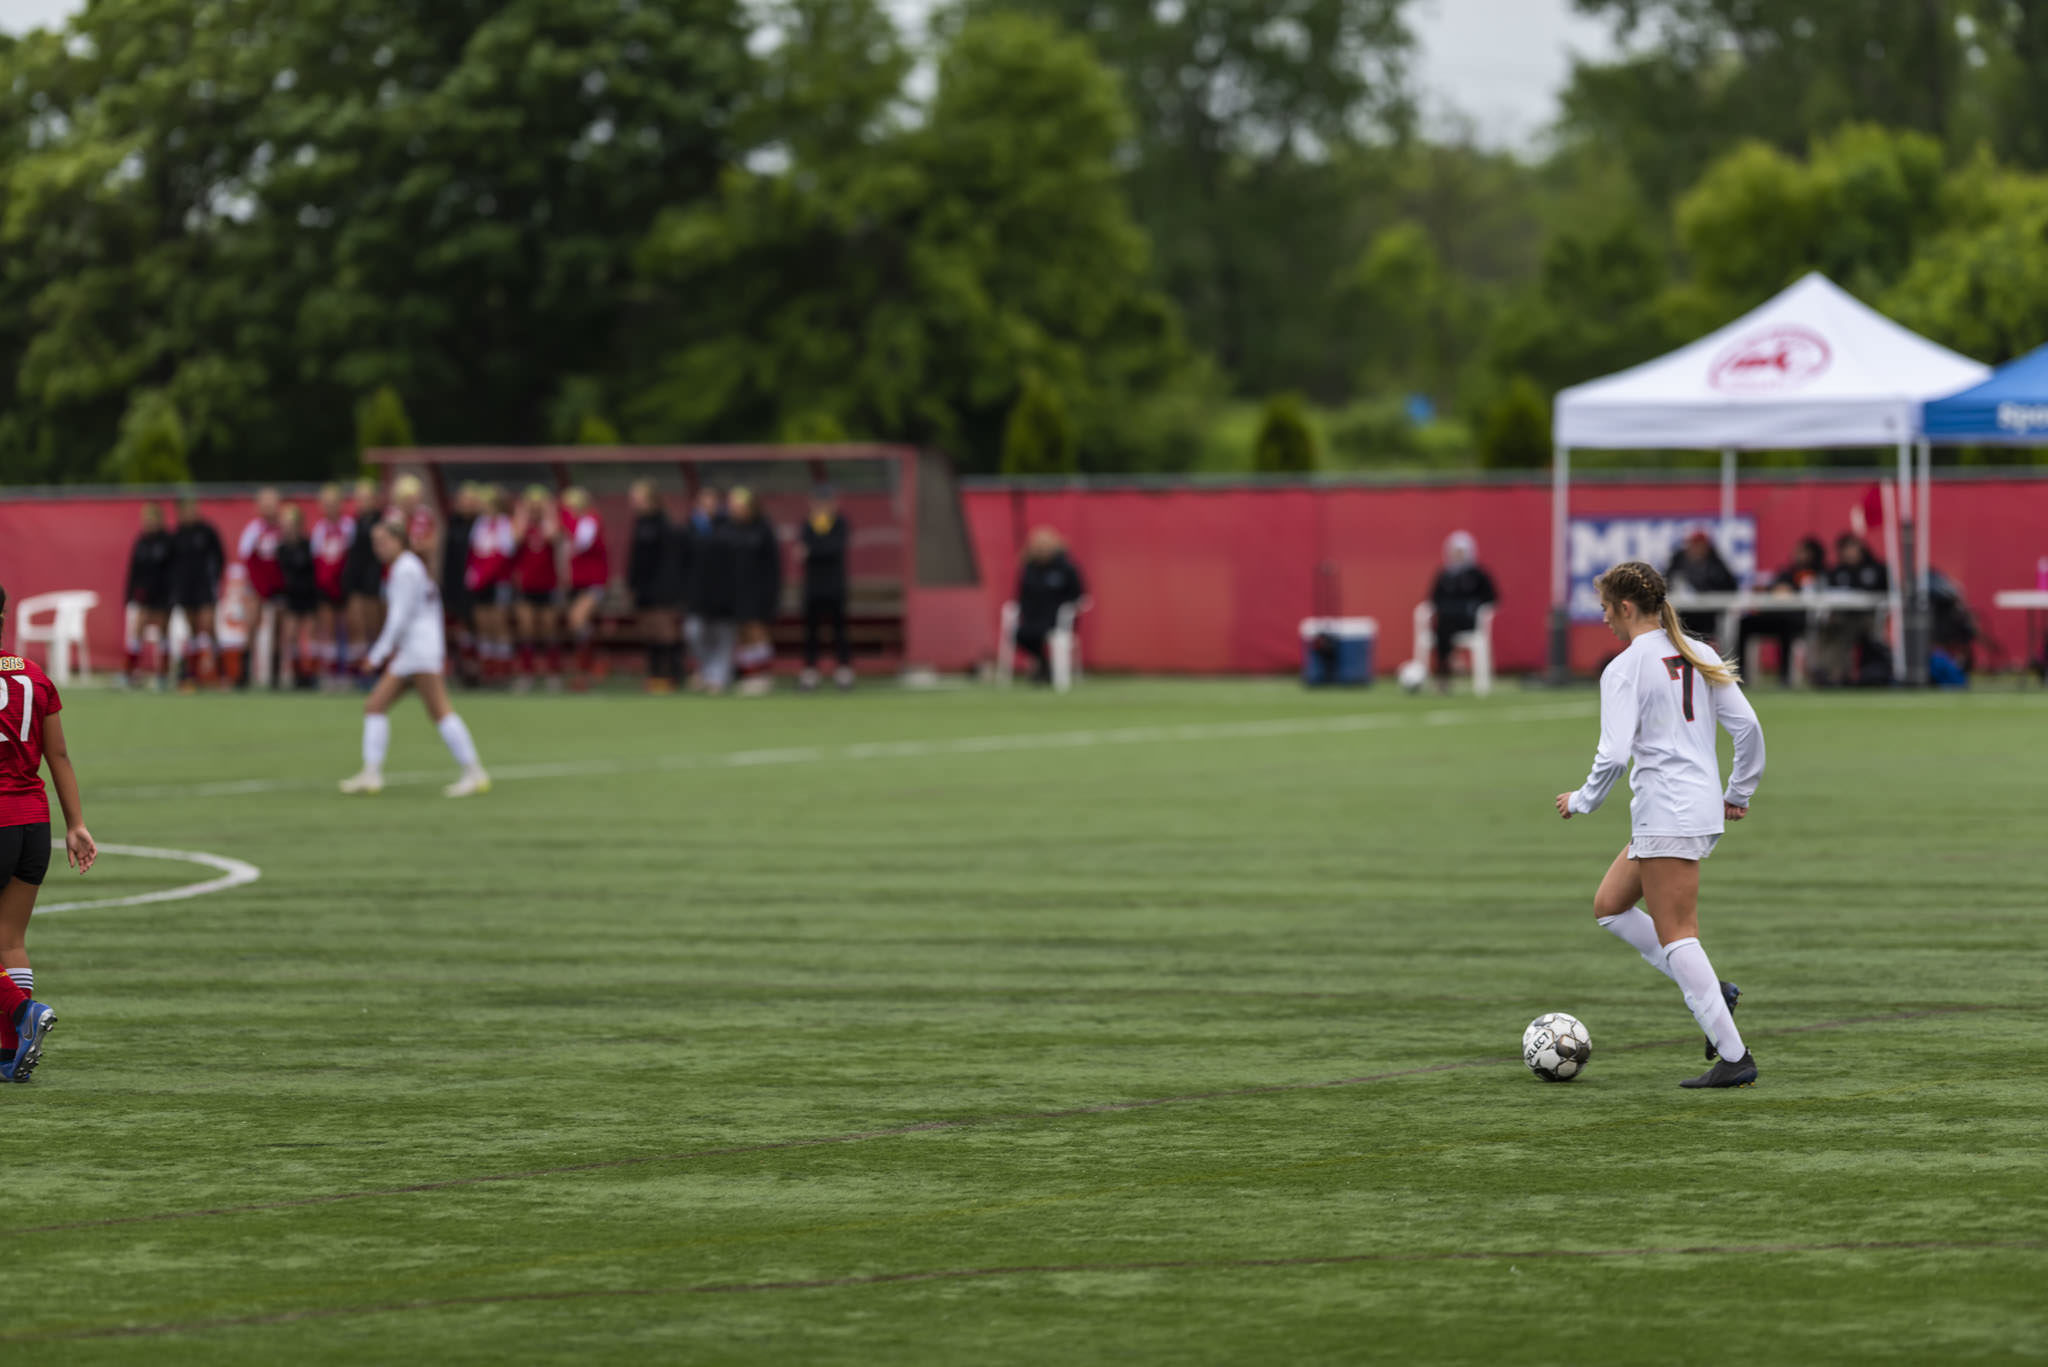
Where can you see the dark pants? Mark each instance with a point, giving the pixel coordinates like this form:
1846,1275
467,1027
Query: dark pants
818,614
1033,641
1449,629
1782,627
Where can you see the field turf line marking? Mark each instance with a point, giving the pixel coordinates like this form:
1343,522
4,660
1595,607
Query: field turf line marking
916,1127
234,873
908,749
858,1280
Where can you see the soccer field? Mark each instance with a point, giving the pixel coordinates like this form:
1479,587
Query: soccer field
1158,1023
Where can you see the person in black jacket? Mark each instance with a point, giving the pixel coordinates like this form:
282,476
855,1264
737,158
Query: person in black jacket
457,602
826,539
362,574
757,562
654,572
1462,587
1698,566
1049,581
714,592
149,593
197,562
301,598
1849,649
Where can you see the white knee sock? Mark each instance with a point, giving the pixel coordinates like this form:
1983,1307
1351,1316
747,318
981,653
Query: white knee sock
24,978
456,737
1687,964
376,742
1635,926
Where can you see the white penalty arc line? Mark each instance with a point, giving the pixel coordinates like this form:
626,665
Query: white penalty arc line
1268,729
234,874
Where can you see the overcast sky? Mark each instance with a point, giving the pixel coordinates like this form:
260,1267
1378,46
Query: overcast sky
1500,63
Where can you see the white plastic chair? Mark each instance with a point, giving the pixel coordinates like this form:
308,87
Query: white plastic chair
1062,646
1477,643
63,632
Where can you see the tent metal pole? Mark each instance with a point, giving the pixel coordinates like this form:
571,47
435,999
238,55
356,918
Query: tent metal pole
1560,577
1727,496
1924,507
1904,653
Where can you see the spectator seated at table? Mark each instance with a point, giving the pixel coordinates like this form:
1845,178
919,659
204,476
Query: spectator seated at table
1850,651
1698,566
1807,568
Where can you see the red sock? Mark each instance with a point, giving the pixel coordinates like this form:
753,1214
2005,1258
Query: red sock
11,998
554,659
526,657
134,661
586,656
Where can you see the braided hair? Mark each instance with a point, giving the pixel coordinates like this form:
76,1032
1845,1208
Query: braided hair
1632,581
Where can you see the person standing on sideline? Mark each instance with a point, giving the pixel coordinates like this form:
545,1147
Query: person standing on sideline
655,575
826,537
1660,700
330,539
454,568
28,720
411,651
198,559
757,565
1048,582
298,577
257,550
363,575
1461,588
148,594
536,570
714,595
707,511
590,573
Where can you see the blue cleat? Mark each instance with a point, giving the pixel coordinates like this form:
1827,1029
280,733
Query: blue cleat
1731,994
35,1023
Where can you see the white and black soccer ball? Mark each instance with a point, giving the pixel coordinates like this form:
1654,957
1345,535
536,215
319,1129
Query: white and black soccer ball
1556,1046
1413,675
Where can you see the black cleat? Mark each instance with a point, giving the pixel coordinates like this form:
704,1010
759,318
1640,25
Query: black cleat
1740,1073
1731,994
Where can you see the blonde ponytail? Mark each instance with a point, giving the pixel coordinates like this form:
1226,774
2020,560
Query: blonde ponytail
1635,582
1705,663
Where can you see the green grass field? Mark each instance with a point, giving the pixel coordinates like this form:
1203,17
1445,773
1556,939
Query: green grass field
1160,1023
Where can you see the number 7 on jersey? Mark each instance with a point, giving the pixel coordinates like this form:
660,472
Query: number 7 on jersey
1678,667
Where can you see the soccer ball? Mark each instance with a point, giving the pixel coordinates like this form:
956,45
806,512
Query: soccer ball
1556,1047
1413,676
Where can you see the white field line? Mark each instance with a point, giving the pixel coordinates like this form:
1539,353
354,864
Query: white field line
907,749
234,873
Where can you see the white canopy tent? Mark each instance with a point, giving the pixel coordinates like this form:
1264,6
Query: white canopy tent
1813,367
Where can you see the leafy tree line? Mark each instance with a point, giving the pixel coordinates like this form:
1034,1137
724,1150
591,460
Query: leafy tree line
242,238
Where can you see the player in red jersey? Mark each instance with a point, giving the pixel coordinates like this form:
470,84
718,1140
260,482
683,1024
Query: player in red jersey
257,550
29,734
331,537
422,524
536,573
590,570
488,578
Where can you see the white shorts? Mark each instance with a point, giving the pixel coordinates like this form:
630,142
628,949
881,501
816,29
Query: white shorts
1672,846
407,663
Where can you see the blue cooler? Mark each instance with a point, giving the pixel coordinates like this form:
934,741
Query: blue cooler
1337,650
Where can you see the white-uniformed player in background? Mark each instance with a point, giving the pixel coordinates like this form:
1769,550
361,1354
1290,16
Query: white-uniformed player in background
1660,700
415,646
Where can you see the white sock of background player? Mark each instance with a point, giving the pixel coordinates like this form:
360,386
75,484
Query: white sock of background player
1687,964
1635,926
456,737
376,742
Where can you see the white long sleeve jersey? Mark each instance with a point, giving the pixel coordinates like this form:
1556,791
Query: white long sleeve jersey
412,615
1658,711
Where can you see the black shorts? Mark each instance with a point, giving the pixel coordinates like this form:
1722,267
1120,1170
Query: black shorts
25,852
194,602
151,603
538,600
303,603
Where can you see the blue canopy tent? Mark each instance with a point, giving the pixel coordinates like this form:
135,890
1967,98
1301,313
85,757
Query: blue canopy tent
2010,407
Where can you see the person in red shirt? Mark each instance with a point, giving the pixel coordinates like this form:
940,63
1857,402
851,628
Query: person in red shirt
590,570
331,537
488,577
422,523
30,733
257,550
536,574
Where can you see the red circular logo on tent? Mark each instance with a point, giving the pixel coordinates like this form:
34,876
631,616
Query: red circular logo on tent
1777,358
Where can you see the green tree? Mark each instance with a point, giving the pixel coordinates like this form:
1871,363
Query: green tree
1514,430
151,449
904,285
1038,439
381,421
1286,444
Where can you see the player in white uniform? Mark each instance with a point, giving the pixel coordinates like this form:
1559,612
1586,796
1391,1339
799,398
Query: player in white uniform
1660,700
414,644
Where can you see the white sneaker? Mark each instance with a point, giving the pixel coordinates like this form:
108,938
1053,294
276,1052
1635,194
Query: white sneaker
843,676
471,784
759,686
368,781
